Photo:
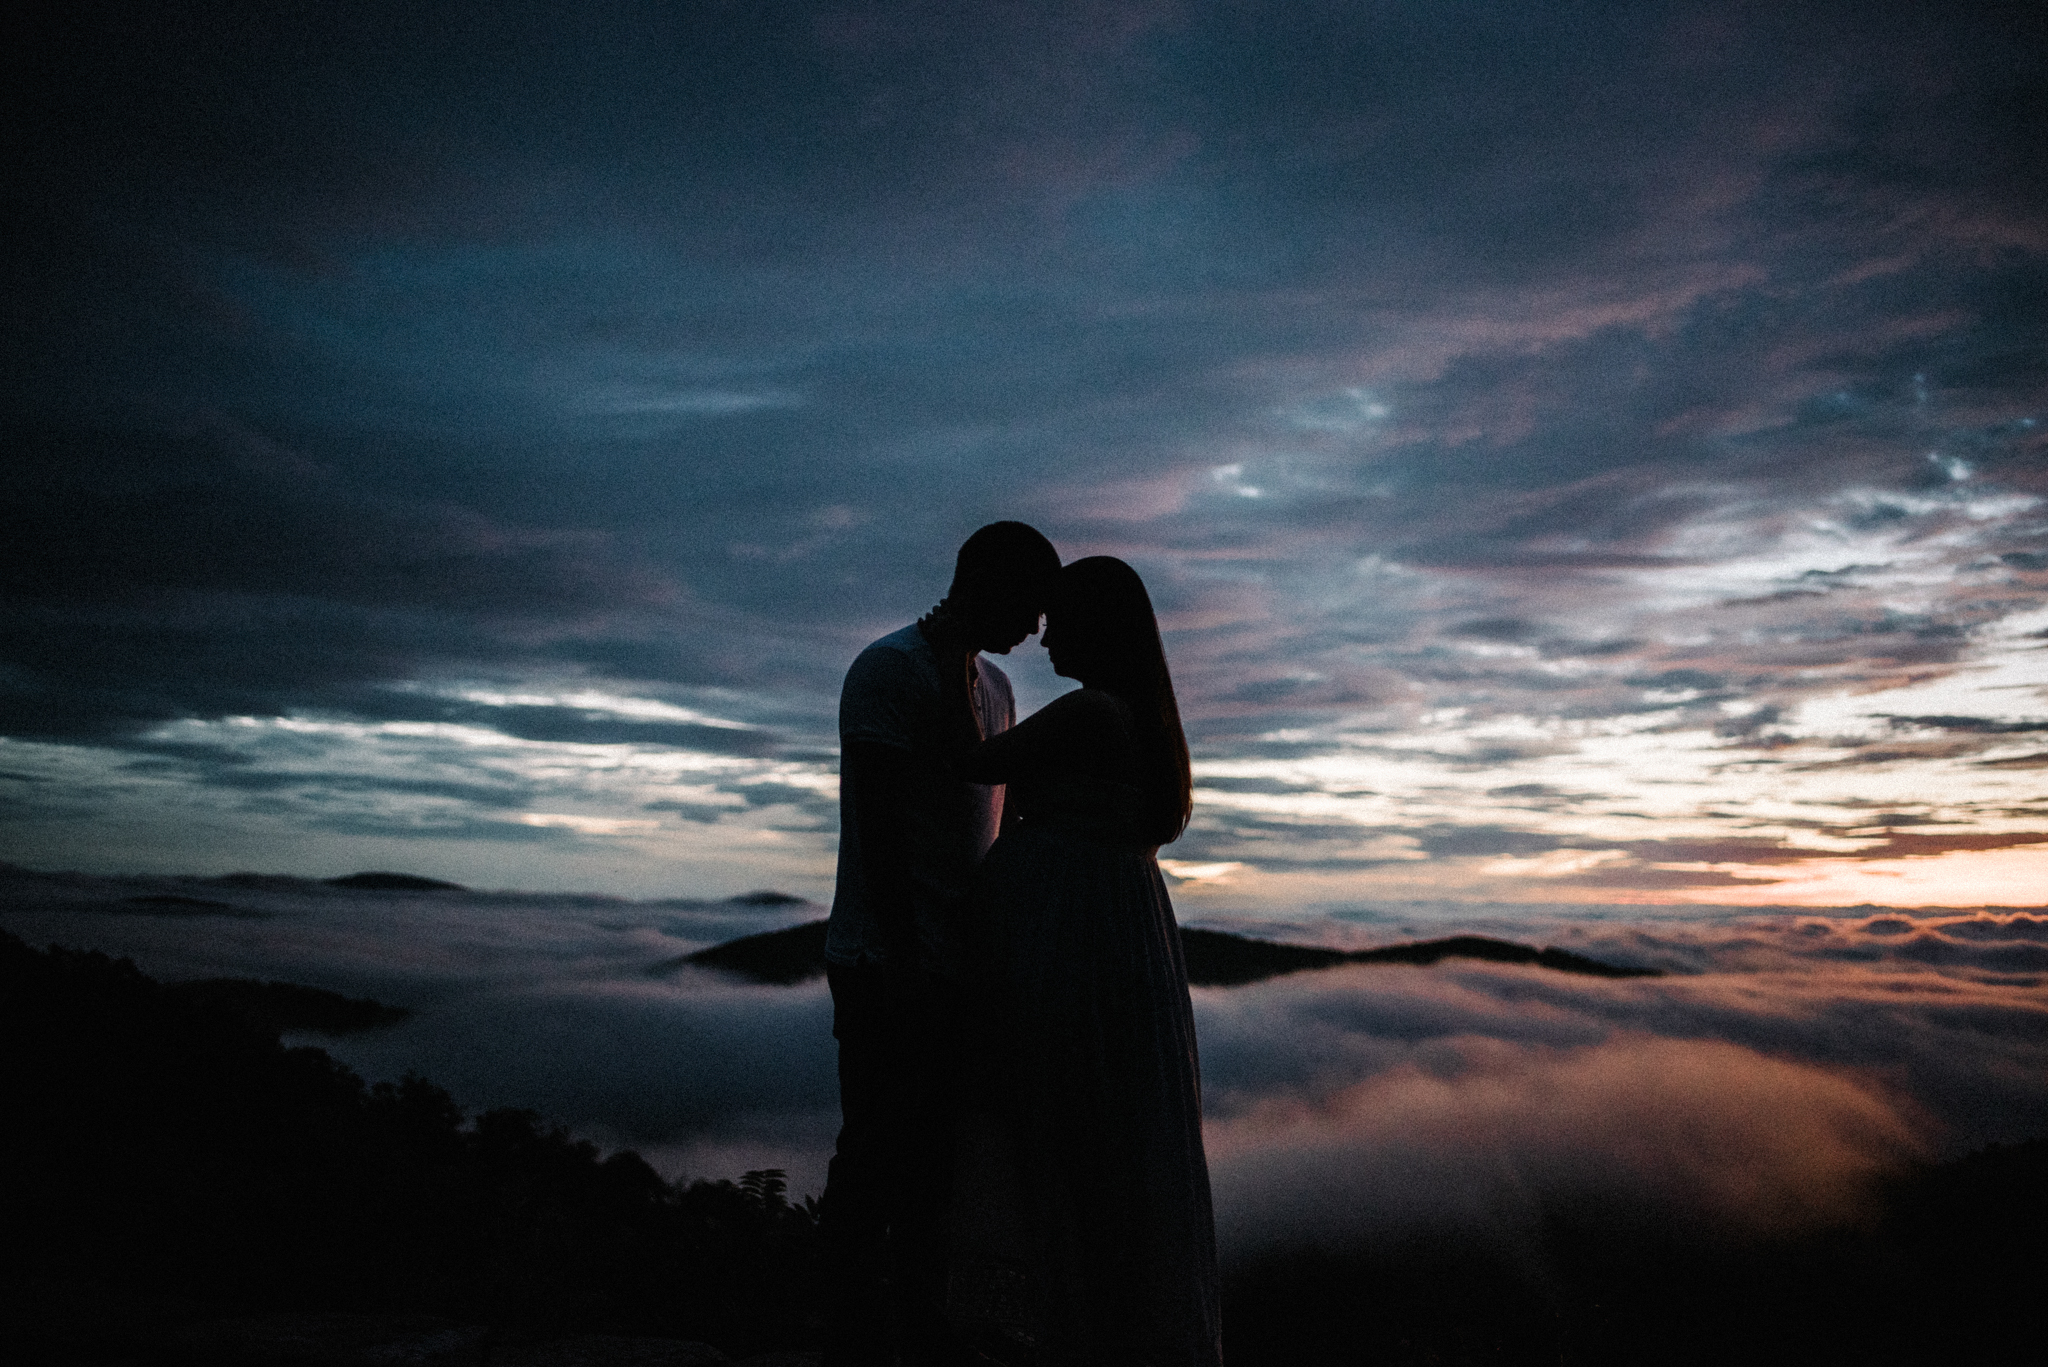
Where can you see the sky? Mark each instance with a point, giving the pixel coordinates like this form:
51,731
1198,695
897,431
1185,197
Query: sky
1581,454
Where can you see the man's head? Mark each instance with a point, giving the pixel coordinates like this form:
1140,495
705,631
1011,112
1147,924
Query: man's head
1001,581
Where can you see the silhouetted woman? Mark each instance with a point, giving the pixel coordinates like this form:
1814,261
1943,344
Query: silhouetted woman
1083,1225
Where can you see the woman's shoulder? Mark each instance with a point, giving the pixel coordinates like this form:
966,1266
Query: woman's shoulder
1092,717
1092,703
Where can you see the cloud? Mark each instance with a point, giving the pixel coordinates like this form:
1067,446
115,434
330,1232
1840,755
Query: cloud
1435,397
1784,1063
1791,1064
575,726
249,579
1478,1141
2038,760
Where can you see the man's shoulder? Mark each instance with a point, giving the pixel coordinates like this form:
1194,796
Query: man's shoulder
902,655
890,689
902,641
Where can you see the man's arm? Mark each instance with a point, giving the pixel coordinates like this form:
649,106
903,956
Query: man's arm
877,779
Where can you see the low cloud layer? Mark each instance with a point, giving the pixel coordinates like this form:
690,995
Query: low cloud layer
1480,1140
1786,1062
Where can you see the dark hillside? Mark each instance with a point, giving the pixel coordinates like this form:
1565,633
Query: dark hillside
1495,951
393,882
782,957
275,1007
162,1141
1215,958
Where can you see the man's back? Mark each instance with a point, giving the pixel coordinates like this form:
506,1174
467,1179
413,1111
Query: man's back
894,716
910,837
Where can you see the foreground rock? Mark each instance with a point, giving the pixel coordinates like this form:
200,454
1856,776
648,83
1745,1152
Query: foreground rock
335,1340
610,1350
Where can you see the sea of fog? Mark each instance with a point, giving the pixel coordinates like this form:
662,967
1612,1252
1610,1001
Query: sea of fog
1785,1059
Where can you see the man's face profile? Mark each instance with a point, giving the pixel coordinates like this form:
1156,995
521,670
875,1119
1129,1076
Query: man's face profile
1008,624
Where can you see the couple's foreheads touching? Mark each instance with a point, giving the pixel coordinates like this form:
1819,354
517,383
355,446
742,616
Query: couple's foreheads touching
1008,576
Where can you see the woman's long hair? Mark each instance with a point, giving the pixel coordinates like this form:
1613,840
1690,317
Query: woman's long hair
1101,603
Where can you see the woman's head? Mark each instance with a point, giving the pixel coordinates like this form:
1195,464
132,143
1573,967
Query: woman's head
1100,629
1099,624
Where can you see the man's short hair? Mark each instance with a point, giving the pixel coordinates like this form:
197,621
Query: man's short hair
1007,560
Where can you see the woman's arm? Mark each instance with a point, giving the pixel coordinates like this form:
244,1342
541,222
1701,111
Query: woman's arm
1080,728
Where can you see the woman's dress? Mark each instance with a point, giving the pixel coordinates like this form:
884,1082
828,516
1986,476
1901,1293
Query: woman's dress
1083,1229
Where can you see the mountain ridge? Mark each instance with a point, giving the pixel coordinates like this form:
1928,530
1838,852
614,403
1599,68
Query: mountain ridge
1215,958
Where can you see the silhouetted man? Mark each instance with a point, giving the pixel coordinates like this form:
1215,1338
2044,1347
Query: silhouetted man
910,836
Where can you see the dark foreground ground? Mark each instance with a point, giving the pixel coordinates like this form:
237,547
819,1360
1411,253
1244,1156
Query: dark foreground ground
178,1187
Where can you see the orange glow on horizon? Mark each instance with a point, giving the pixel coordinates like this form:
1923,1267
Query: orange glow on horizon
2011,877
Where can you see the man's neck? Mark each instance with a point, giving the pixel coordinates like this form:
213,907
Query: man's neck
944,631
946,636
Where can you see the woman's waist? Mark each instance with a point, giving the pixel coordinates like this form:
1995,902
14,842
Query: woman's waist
1079,829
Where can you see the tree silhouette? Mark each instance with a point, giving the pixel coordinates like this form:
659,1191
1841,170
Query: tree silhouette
165,1142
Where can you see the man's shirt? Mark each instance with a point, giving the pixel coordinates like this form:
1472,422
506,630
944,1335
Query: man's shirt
893,696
